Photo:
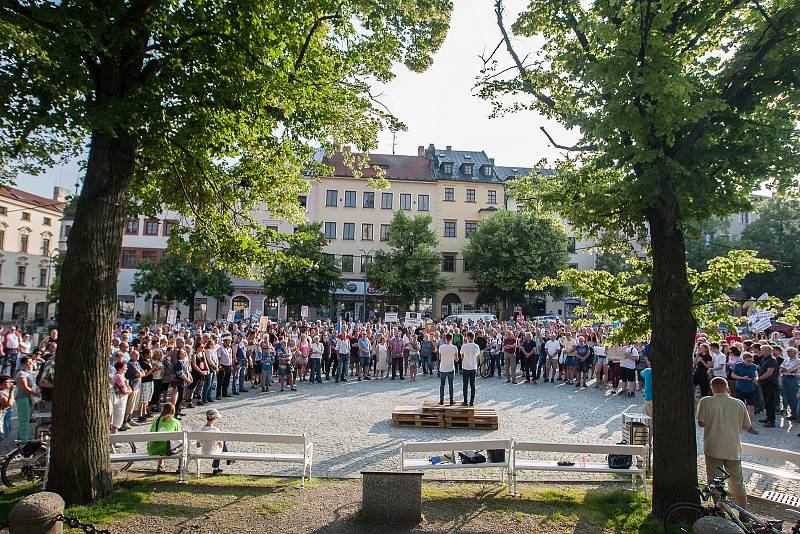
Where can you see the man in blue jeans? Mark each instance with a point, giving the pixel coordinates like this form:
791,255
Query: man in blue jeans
448,354
469,368
240,367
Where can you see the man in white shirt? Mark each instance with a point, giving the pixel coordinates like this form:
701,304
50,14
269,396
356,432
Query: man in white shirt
469,366
448,354
718,361
552,348
627,370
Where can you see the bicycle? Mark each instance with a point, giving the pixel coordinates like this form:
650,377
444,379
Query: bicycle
486,366
681,516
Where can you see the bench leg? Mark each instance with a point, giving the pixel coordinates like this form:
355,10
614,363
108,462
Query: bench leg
182,468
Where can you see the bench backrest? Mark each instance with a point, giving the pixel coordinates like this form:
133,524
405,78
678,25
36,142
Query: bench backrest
471,445
139,437
252,437
771,453
584,448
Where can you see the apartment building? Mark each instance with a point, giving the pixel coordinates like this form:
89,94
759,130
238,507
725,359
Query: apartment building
30,228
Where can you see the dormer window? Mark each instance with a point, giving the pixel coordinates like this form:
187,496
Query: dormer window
447,168
466,168
486,170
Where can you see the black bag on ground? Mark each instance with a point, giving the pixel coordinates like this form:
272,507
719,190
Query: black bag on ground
472,457
620,461
496,456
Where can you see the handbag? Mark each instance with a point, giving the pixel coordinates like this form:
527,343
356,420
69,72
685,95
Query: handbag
496,456
620,461
470,457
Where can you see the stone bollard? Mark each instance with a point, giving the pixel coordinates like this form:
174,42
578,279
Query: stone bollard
391,497
715,525
36,514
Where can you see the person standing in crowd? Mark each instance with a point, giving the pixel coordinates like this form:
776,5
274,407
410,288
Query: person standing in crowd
723,418
266,356
120,391
601,362
396,351
427,348
768,381
745,374
528,348
553,350
6,406
628,370
702,363
469,365
46,379
317,349
510,356
790,378
413,356
343,359
199,369
146,387
11,341
448,353
225,359
212,361
239,362
583,353
364,350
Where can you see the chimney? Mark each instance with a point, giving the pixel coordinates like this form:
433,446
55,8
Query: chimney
421,151
60,194
449,148
491,160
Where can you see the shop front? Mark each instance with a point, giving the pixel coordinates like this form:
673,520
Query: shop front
357,301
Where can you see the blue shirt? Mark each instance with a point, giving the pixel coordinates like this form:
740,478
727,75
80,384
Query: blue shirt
648,383
742,369
266,361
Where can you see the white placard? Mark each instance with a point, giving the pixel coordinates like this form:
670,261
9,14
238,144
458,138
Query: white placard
304,312
256,316
390,317
283,312
231,316
263,323
245,313
172,317
763,324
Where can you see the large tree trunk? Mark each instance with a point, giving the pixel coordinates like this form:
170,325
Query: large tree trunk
79,467
673,330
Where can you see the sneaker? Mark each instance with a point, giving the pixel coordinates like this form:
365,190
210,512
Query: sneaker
125,426
141,419
216,472
359,379
344,379
763,420
236,393
464,403
752,430
243,390
769,425
441,402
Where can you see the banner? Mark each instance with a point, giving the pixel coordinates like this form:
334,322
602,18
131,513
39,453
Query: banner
263,323
172,317
304,312
256,316
231,315
390,317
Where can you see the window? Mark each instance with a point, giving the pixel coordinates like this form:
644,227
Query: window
386,201
384,232
151,227
470,195
302,200
423,202
470,227
23,243
2,239
492,197
405,201
366,232
47,221
132,228
347,263
19,311
26,216
21,275
571,244
366,261
168,227
449,194
449,228
369,199
200,309
349,199
125,306
486,170
467,169
744,218
447,168
128,259
349,232
332,198
330,230
272,229
150,255
466,265
3,210
45,246
448,263
42,277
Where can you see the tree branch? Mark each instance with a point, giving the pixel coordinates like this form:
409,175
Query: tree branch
574,148
713,21
573,23
314,27
30,15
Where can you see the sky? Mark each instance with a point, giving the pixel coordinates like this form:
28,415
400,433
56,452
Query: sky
438,106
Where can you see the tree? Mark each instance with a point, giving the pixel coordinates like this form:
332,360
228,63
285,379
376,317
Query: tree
776,237
205,108
411,270
180,277
508,249
682,110
709,240
55,286
310,281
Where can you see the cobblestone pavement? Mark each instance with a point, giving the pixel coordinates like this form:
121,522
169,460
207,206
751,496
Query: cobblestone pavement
350,424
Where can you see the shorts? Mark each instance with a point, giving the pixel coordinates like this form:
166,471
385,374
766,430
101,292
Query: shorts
571,361
734,467
749,399
601,360
284,369
627,375
364,360
585,365
147,392
648,410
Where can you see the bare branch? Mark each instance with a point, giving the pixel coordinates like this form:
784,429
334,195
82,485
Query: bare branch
580,35
712,22
574,148
314,27
489,58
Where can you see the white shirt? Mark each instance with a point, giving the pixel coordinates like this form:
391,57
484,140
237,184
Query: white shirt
12,340
719,360
210,446
447,357
628,362
316,350
469,356
343,346
552,347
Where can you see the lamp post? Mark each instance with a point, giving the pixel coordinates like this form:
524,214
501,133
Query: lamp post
365,254
47,287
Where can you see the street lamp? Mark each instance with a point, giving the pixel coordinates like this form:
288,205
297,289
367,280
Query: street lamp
365,254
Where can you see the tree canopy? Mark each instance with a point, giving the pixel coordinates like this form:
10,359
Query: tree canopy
410,270
179,277
310,282
508,249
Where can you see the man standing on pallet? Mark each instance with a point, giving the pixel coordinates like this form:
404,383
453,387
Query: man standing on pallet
448,354
469,366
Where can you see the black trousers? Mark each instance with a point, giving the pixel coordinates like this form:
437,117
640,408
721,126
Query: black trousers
770,391
397,362
468,378
527,363
223,380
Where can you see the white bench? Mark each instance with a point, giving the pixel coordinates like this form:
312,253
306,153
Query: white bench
303,455
773,454
144,456
454,447
525,464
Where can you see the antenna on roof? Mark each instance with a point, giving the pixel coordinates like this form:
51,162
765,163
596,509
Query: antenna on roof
394,141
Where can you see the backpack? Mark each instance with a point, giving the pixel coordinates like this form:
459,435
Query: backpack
470,457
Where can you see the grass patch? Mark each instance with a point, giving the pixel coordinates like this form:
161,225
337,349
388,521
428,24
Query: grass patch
11,496
270,508
127,499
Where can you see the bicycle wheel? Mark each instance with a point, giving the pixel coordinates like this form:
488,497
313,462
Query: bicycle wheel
681,516
124,448
18,469
485,368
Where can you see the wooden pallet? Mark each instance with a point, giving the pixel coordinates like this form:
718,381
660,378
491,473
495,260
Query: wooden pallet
431,414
